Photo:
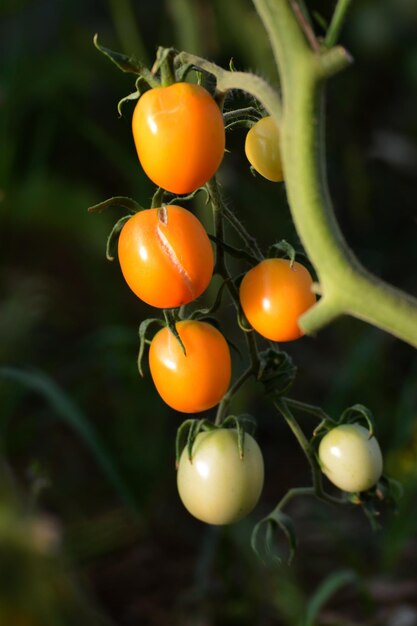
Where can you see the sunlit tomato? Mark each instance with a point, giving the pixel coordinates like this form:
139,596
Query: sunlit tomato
165,256
217,486
179,136
262,148
194,381
273,295
350,459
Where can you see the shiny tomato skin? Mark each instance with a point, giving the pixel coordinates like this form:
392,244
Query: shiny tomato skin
274,295
179,136
262,148
165,256
351,459
217,486
195,381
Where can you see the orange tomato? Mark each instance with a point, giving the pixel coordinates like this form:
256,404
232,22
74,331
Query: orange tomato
194,381
273,295
165,256
179,136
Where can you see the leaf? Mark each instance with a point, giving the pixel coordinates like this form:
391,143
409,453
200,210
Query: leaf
114,236
190,196
181,438
236,424
172,326
143,329
326,590
122,61
277,520
285,248
116,201
135,95
357,412
69,413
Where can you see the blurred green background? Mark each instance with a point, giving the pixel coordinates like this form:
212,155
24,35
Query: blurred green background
108,541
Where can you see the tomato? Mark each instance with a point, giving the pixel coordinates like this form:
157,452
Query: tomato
273,295
165,256
262,148
179,136
194,381
217,486
350,459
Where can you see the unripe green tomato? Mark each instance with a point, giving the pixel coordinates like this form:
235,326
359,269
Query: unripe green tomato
217,486
262,148
350,459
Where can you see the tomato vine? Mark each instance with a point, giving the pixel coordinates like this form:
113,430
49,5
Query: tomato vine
189,358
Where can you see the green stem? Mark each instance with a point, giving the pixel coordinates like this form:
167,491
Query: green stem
217,207
227,80
167,67
224,404
249,241
219,211
237,253
239,114
156,202
319,492
346,286
299,435
336,23
308,408
293,493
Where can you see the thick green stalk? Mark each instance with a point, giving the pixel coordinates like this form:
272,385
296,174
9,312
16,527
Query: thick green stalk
346,286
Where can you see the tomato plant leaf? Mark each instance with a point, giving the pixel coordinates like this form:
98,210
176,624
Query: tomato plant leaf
189,196
135,95
283,248
181,438
127,64
264,533
172,325
116,201
236,423
389,490
114,236
143,329
193,431
355,414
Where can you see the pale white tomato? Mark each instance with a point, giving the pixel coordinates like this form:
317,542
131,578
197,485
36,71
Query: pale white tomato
217,486
351,459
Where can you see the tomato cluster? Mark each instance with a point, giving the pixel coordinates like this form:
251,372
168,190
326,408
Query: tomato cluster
167,260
